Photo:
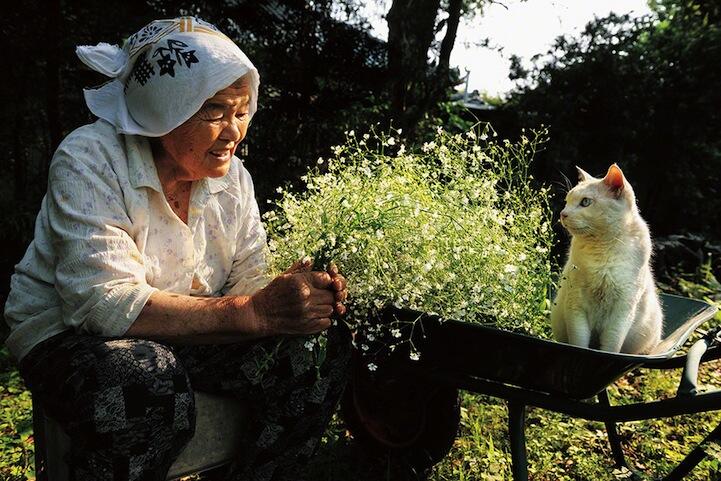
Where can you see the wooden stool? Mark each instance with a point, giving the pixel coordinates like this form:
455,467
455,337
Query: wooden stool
218,428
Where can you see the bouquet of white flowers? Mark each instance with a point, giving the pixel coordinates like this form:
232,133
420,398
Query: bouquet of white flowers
456,228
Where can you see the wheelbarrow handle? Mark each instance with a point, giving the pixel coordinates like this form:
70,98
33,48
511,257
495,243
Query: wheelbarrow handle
689,377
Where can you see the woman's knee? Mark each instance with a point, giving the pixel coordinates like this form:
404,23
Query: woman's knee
141,379
126,402
141,364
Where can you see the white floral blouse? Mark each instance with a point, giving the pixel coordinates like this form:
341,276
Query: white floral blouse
106,239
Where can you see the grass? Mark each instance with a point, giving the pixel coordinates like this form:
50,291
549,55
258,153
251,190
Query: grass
559,448
16,425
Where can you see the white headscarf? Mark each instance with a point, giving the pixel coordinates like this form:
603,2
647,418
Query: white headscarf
163,75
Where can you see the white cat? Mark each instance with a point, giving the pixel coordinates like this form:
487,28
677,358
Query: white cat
607,297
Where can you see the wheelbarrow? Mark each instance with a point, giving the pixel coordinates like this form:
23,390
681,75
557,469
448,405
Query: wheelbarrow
410,408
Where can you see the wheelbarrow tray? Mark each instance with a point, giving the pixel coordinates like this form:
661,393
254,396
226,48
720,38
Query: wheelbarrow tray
543,365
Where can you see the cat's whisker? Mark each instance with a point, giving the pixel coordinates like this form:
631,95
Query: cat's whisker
568,184
564,186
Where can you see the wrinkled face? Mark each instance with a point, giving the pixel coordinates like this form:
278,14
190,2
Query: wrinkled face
595,209
204,145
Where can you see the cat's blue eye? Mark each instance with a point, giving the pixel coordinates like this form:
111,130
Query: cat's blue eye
585,202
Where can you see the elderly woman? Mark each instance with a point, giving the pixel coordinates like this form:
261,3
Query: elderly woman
146,278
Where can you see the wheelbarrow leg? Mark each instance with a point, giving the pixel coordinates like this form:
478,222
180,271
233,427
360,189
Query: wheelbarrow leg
41,468
693,458
613,438
517,432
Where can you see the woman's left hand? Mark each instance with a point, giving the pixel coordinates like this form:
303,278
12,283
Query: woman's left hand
340,286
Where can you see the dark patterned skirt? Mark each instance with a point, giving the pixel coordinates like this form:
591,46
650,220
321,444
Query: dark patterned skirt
128,405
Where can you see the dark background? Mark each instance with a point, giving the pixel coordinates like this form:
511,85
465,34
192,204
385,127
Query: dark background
645,93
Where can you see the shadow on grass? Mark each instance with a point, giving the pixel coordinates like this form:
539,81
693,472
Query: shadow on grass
339,457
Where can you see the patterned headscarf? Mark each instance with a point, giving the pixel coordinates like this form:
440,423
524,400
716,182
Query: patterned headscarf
163,75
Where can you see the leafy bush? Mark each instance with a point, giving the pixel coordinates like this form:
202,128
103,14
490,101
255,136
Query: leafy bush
456,228
16,425
642,92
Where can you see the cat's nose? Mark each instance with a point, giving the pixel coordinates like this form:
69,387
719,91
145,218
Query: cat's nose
564,214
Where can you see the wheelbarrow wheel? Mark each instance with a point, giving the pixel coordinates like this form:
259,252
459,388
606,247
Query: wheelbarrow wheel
398,416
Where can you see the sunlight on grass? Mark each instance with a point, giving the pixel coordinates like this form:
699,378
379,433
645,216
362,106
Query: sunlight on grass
16,425
559,448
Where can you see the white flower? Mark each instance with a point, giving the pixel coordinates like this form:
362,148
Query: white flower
428,146
422,230
309,344
372,367
484,137
320,160
414,356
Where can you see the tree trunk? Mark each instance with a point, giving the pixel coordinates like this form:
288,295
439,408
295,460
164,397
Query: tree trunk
449,39
411,27
415,89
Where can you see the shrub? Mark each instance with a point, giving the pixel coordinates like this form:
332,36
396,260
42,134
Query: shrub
456,228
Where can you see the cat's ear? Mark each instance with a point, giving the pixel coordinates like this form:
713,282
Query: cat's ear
614,180
583,175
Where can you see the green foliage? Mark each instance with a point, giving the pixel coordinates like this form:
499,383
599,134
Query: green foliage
319,74
16,426
641,92
560,448
702,285
455,228
564,448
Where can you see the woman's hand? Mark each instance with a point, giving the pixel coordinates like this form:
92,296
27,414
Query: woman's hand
339,284
300,301
340,287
